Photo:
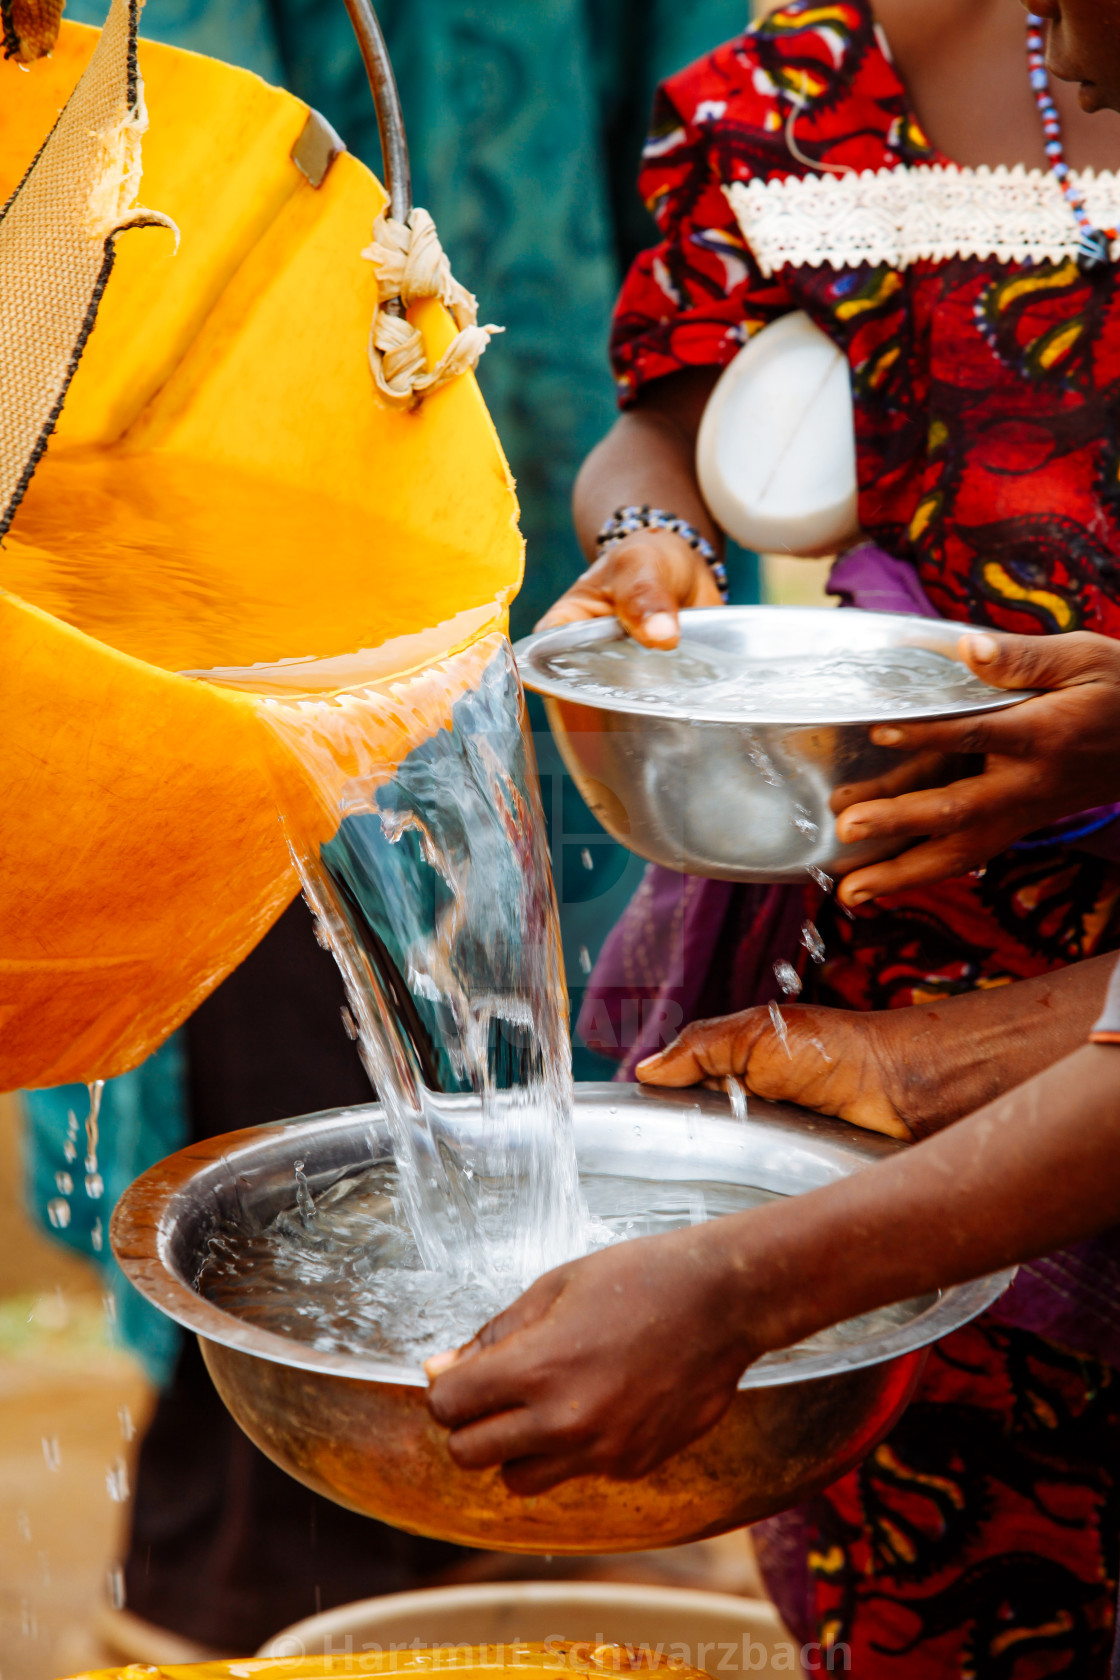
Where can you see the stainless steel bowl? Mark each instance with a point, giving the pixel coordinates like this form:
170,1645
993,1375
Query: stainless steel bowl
717,796
359,1431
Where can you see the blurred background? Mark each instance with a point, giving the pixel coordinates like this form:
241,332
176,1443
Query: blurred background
525,121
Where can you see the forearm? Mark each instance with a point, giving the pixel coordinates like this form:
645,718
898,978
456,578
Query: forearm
958,1055
648,456
1030,1173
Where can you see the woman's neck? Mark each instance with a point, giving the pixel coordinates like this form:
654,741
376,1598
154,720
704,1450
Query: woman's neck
964,66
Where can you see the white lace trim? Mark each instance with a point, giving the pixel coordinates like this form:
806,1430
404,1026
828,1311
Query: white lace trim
906,215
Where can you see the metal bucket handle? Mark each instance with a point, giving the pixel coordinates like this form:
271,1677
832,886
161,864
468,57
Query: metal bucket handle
387,102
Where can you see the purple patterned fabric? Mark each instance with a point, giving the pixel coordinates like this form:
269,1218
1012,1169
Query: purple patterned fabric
869,578
653,965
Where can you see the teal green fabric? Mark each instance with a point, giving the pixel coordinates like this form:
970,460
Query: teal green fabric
525,121
143,1117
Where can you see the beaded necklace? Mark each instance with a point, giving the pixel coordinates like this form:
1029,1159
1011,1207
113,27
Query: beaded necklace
1094,244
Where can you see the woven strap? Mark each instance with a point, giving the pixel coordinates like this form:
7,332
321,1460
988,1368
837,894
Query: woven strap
56,246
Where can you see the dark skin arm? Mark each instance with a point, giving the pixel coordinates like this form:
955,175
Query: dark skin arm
905,1072
613,1363
1044,759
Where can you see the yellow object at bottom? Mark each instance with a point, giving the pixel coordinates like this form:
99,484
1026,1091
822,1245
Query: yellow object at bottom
465,1662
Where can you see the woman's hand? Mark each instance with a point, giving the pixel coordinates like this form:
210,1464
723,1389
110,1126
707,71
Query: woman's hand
905,1072
605,1366
1044,759
644,581
854,1067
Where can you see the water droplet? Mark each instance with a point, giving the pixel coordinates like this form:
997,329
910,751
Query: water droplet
28,1622
58,1212
115,1583
804,823
760,758
95,1186
116,1482
780,1028
95,1089
787,977
63,1183
824,882
585,959
586,859
637,1131
128,1428
97,1236
52,1453
737,1095
70,1150
812,941
109,1308
23,1526
305,1201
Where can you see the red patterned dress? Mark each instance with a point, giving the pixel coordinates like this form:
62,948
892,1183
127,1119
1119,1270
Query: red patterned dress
786,171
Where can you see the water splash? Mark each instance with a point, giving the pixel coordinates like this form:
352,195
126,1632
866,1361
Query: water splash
824,882
435,896
737,1095
787,977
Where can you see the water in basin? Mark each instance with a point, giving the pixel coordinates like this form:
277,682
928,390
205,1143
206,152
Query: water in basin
341,1271
704,681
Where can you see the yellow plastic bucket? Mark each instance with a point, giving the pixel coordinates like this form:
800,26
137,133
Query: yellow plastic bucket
140,853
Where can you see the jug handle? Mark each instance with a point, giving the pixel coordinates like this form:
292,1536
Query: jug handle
387,102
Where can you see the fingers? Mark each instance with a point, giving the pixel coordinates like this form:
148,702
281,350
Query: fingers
926,770
1007,732
707,1050
934,812
942,859
496,1439
644,581
571,608
1061,661
528,1477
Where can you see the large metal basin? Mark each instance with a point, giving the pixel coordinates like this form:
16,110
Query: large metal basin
732,799
359,1431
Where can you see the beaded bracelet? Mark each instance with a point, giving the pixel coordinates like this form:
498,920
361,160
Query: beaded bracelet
627,520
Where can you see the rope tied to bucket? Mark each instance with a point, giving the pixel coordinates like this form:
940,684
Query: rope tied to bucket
412,264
